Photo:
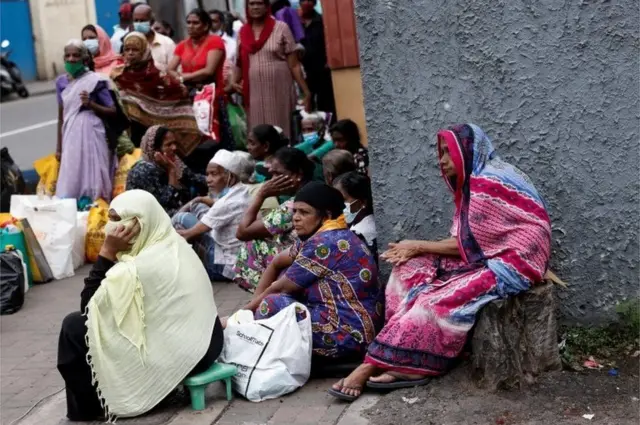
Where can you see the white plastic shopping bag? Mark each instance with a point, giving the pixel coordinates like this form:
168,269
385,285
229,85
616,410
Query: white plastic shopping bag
79,238
273,356
53,221
203,109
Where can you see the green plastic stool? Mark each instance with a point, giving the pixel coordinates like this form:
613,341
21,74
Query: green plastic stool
198,383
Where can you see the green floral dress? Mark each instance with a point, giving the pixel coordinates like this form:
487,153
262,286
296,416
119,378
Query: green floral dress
255,256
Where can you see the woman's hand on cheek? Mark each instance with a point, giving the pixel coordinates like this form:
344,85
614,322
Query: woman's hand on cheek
119,240
279,185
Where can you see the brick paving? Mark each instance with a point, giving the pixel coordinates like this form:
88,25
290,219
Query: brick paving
28,349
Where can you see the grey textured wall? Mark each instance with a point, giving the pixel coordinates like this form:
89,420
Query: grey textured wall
554,83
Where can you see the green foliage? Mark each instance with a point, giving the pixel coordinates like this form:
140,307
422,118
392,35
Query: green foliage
617,339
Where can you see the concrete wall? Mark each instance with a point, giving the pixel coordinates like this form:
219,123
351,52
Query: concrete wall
54,23
554,83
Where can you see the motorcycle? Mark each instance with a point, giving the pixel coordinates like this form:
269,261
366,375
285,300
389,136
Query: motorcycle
10,76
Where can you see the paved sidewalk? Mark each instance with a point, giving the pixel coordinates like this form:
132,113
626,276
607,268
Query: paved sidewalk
28,344
38,88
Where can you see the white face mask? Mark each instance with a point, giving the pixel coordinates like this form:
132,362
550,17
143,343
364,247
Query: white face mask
92,45
348,215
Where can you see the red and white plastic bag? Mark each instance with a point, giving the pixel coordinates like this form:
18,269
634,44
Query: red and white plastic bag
204,109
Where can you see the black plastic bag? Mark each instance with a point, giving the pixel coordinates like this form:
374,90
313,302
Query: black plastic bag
12,180
12,282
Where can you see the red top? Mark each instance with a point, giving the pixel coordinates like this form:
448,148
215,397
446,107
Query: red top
194,58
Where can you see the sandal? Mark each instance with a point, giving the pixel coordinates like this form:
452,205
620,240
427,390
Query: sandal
342,396
398,384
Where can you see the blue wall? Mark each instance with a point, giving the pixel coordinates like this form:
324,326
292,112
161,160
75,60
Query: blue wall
107,14
15,26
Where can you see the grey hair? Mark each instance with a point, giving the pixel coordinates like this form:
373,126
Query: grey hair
338,161
317,118
78,44
248,165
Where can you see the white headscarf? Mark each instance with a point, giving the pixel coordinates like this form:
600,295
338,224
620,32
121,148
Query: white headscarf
151,320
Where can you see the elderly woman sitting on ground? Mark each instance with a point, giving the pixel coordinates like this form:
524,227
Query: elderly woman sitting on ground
499,247
149,319
314,128
162,173
212,224
330,270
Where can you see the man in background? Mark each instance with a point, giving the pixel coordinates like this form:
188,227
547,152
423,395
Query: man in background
124,26
162,47
218,26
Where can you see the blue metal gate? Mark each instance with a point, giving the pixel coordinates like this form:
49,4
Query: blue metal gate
107,14
15,26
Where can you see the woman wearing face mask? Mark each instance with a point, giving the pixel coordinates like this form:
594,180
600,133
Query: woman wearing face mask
147,317
329,270
86,162
149,96
269,234
162,173
213,229
313,128
358,207
98,44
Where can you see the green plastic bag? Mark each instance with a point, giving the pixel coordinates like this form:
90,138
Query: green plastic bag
238,120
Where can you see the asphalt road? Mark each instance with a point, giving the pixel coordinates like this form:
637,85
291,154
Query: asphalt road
28,128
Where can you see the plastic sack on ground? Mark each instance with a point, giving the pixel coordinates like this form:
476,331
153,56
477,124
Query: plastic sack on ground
204,109
40,270
12,237
98,217
238,121
12,282
47,168
79,240
53,221
273,356
124,165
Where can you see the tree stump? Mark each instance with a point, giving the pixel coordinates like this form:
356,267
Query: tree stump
515,340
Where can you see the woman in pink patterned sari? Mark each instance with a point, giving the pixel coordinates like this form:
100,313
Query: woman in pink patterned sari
499,246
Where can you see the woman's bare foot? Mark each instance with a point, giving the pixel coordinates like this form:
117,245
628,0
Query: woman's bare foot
352,384
389,377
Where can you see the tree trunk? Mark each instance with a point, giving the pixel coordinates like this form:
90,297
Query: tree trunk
515,340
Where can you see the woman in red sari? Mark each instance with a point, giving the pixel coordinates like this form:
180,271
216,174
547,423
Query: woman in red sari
151,98
201,58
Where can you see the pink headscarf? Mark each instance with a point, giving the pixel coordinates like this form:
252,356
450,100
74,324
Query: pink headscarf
107,58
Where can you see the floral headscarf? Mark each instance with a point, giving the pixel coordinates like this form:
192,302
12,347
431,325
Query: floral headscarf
139,40
152,143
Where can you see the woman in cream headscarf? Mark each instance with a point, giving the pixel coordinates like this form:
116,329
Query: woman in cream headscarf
150,317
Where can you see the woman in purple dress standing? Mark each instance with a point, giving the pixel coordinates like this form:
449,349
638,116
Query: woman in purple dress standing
86,162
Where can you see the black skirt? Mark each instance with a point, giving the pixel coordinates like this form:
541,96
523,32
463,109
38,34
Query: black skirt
83,403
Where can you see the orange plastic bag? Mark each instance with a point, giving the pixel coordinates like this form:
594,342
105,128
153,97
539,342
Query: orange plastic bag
120,179
47,168
98,217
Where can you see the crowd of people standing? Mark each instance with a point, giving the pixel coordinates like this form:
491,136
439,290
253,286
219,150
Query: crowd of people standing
286,213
